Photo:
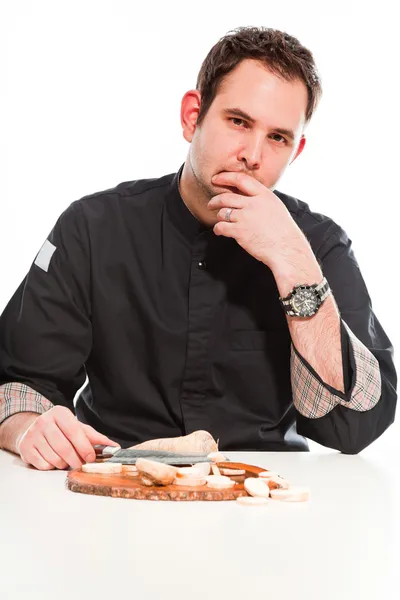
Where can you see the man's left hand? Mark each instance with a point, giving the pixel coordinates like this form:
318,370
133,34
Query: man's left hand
260,222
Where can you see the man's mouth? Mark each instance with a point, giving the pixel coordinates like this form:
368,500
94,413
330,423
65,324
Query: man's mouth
230,188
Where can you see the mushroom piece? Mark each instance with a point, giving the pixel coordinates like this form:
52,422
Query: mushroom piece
156,472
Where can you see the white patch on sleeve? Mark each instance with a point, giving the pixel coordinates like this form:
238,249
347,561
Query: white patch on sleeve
44,257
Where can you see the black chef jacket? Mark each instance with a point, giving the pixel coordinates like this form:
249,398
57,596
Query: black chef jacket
178,329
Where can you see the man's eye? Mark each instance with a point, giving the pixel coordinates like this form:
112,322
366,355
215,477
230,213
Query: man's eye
276,135
237,121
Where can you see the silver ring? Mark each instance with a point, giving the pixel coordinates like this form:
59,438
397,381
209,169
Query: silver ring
228,214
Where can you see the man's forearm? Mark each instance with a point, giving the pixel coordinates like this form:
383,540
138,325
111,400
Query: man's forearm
316,338
13,428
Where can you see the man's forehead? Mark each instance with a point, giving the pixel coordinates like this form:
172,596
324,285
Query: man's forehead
260,93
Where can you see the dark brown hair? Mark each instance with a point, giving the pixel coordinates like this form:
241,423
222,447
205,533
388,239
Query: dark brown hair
281,53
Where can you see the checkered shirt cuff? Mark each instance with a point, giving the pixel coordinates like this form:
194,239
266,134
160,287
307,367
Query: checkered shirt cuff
18,397
313,399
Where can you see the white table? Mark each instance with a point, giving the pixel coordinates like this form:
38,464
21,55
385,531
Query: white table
343,544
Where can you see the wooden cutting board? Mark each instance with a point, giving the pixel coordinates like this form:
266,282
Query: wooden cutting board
120,485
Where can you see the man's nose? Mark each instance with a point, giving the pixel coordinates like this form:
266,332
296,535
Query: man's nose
251,152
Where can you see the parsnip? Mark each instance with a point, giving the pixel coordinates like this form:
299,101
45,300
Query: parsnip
189,472
219,482
230,472
277,482
190,481
256,487
102,468
204,467
217,457
198,441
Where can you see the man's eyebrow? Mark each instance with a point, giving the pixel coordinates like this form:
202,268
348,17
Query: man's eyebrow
239,113
243,115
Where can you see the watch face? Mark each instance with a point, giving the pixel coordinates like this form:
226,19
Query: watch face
305,302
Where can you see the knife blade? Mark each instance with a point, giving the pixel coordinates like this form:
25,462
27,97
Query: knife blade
129,456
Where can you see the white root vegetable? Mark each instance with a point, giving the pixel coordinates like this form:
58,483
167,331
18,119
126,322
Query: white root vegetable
130,470
158,473
198,441
190,481
295,494
103,468
189,472
215,470
217,457
277,482
252,501
205,468
230,472
256,487
219,482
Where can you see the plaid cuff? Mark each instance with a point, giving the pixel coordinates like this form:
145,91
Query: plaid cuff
314,399
18,397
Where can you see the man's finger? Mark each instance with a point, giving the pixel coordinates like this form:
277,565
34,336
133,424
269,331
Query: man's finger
74,432
225,229
227,200
34,458
225,212
246,184
56,441
50,455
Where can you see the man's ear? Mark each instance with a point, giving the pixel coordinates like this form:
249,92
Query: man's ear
190,108
300,149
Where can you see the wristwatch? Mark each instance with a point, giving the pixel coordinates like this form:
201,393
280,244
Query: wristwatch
305,300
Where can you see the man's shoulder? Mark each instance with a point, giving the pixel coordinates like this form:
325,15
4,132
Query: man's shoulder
127,192
301,210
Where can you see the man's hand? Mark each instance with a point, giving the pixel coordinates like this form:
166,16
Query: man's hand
260,222
57,440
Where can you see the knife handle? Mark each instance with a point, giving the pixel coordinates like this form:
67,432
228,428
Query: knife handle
103,451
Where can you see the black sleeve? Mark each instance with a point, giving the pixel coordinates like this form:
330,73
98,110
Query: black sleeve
45,330
346,429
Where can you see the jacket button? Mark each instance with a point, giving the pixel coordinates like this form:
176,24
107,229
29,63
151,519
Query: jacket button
202,264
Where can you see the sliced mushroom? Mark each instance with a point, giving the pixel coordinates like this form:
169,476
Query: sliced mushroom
158,473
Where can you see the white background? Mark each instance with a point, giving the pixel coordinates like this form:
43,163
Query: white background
91,95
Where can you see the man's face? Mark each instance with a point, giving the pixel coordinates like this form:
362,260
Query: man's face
243,129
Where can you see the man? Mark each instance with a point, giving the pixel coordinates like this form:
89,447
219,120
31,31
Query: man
177,296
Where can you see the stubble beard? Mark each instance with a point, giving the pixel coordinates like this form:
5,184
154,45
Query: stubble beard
206,191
